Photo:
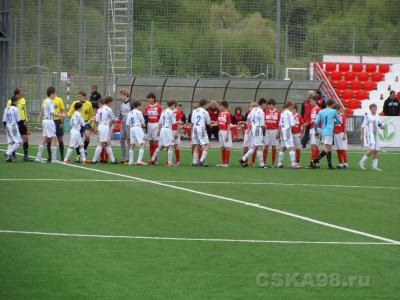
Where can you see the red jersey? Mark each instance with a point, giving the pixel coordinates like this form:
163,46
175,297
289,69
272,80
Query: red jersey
238,117
340,128
153,112
272,117
314,114
224,120
307,111
178,117
213,112
298,124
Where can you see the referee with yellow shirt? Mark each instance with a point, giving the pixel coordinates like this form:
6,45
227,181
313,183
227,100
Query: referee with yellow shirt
23,123
87,114
59,109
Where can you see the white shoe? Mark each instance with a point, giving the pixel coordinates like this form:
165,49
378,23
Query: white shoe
55,161
376,169
225,166
219,165
295,166
40,160
362,165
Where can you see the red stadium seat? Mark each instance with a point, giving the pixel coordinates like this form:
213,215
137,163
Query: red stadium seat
338,92
369,86
361,95
363,76
347,94
349,112
357,68
344,67
353,104
398,95
370,68
384,68
355,85
342,85
349,76
330,67
344,102
376,77
336,76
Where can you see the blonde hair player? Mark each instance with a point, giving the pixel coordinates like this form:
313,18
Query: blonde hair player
135,121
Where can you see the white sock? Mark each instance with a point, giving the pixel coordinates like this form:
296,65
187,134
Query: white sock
292,156
260,158
69,152
195,158
53,153
203,156
141,153
281,156
8,149
131,156
155,154
375,163
97,153
170,154
364,159
83,153
248,154
110,153
40,152
14,148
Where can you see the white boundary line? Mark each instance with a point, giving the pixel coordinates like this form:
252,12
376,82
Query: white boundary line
59,234
256,205
207,182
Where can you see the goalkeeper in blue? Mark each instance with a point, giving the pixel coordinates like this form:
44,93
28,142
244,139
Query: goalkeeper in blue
327,118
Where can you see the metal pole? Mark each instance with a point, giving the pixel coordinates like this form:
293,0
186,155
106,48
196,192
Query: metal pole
278,40
58,45
21,33
151,47
354,41
105,48
80,63
286,45
221,49
39,48
84,49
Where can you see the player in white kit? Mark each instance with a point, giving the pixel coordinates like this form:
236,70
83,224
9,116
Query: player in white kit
105,119
369,131
11,118
256,124
166,138
200,119
48,125
286,123
135,121
75,140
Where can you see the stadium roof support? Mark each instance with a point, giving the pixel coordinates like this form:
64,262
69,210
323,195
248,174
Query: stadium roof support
5,50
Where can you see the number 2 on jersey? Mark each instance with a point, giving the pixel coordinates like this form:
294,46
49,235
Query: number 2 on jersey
198,121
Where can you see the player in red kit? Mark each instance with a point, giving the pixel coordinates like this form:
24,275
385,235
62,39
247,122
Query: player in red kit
178,114
297,131
152,112
272,117
314,138
224,133
340,139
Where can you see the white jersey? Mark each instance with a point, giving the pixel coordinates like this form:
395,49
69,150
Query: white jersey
200,118
11,115
286,123
167,118
256,117
135,118
48,109
104,115
371,124
77,121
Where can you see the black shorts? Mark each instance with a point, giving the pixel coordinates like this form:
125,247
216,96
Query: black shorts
23,129
86,127
59,127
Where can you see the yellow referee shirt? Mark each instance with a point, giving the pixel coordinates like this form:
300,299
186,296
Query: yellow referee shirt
58,106
87,110
21,105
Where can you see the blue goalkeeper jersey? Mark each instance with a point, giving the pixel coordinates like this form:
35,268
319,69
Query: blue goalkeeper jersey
327,117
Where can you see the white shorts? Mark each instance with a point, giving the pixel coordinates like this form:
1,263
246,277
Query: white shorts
166,137
104,133
136,135
152,129
327,140
297,140
286,139
338,142
313,139
246,139
221,139
124,131
372,142
257,138
177,137
270,138
199,136
75,139
13,135
49,128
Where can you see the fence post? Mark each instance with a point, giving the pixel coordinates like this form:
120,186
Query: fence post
354,41
278,40
105,48
39,48
221,49
80,60
286,45
151,46
21,33
58,45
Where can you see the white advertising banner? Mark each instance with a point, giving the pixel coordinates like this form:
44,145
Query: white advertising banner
390,135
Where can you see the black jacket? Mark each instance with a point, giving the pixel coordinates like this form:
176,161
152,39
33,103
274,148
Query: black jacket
391,107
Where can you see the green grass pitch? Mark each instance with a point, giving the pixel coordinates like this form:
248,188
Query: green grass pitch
220,266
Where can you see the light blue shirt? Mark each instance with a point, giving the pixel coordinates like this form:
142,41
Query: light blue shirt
327,118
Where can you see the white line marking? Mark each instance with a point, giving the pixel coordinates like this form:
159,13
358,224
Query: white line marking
207,182
59,234
278,211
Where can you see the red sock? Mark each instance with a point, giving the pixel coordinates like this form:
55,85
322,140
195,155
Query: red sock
298,155
200,152
253,157
245,149
151,150
273,156
265,155
344,156
227,156
314,153
177,155
223,154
